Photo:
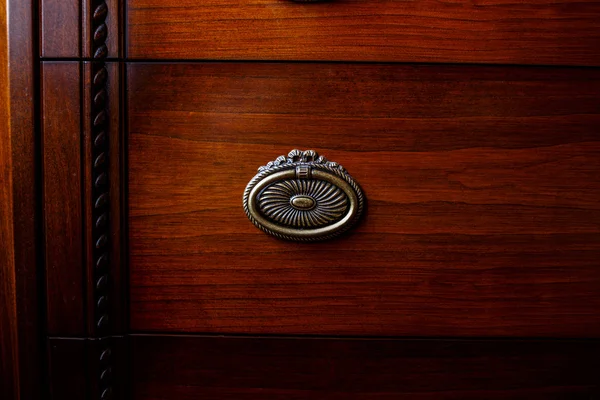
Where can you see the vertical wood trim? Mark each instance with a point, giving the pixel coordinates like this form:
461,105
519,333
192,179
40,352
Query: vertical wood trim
81,227
83,222
9,360
102,190
114,167
97,182
86,170
101,180
60,30
20,341
100,29
101,172
62,197
113,41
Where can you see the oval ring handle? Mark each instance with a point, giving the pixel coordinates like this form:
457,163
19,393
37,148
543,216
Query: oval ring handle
303,197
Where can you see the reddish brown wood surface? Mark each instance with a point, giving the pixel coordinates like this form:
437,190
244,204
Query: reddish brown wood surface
60,31
69,28
534,32
107,13
61,138
483,196
185,368
20,354
9,344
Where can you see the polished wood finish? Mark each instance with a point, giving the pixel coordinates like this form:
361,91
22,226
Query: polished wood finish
533,32
20,338
9,344
483,215
61,141
81,161
111,142
483,190
60,28
185,368
107,13
114,20
69,28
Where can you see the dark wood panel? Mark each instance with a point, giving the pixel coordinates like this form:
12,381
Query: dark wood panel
118,287
534,32
62,197
67,361
182,368
87,368
60,28
108,368
20,342
482,184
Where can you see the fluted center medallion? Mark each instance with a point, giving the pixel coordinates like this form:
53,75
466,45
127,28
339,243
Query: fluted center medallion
303,203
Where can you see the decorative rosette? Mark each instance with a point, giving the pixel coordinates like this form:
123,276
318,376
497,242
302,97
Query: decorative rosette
303,203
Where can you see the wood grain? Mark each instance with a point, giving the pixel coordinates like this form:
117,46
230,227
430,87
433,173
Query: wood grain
20,344
185,368
9,343
68,29
482,186
112,28
561,32
60,28
61,141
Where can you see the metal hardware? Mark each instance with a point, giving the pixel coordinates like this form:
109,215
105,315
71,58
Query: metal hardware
303,197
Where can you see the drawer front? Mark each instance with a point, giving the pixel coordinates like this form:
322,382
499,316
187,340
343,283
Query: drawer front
531,32
482,186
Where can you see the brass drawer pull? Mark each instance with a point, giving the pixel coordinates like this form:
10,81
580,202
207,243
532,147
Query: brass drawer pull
303,197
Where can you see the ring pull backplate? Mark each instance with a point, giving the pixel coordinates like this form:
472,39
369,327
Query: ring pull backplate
303,197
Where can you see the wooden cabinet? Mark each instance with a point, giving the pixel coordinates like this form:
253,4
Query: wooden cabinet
133,271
